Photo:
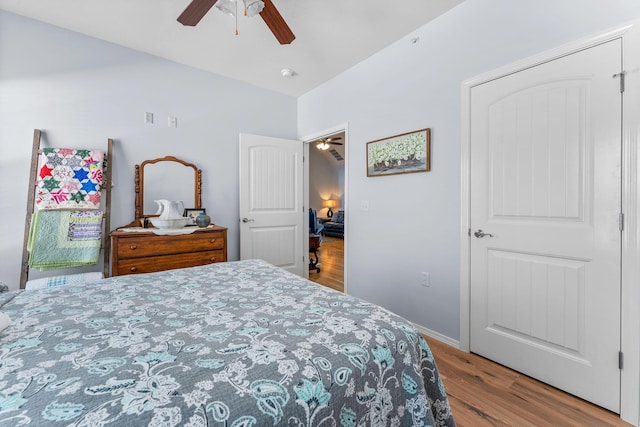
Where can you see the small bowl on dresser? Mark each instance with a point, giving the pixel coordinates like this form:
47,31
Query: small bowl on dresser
169,223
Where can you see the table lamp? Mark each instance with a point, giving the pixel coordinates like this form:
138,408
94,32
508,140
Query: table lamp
330,203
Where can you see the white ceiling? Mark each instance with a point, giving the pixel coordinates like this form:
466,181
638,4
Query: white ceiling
331,35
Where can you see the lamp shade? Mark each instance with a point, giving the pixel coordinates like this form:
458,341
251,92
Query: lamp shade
330,203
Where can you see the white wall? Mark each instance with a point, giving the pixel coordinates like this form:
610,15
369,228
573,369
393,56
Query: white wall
326,180
81,91
412,224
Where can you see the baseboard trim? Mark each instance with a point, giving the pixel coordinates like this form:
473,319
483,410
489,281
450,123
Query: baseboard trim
438,336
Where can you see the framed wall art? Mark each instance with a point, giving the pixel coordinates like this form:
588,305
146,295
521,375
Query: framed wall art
405,153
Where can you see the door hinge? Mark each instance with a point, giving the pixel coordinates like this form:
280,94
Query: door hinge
620,360
469,232
622,75
621,221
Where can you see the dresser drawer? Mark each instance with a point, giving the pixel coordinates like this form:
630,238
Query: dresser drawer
137,247
168,262
145,252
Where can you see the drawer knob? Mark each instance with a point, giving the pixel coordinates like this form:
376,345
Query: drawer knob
212,259
212,240
133,269
133,247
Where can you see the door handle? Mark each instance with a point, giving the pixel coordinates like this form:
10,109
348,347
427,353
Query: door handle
247,220
480,234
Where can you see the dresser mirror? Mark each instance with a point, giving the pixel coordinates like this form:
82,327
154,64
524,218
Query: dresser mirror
167,178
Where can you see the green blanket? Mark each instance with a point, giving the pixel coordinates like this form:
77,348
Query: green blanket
64,239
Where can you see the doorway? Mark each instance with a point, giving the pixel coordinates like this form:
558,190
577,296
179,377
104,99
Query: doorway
326,186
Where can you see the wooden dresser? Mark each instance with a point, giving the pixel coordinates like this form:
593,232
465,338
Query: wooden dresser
145,252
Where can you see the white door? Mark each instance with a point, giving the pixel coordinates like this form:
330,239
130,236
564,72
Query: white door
545,186
271,198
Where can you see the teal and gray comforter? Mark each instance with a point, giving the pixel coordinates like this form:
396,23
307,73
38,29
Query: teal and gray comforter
229,344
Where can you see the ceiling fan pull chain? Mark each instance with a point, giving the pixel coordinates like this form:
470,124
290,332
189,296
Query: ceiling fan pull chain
236,16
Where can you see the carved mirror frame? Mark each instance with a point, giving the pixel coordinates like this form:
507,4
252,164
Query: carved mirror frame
139,185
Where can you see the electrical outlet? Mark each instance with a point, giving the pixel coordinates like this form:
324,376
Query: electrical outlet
173,122
426,279
364,205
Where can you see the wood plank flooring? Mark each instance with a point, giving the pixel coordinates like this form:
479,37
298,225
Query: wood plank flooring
483,393
331,256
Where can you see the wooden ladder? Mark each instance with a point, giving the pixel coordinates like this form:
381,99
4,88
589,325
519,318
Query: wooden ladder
106,188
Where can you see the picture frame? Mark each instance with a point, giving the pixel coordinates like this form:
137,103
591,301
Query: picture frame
192,213
399,154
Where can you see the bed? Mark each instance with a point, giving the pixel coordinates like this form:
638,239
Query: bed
230,344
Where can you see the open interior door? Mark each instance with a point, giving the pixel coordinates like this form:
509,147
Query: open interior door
271,201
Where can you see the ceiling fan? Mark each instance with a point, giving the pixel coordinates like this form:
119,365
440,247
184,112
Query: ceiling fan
270,15
325,143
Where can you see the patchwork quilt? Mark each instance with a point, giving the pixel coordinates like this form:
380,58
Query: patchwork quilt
69,179
64,239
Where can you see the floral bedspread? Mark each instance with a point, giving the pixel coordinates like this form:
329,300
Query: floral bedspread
229,344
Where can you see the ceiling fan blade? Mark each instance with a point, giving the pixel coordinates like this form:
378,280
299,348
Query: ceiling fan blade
336,143
276,23
195,12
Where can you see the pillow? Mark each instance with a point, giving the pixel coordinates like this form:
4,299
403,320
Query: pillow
338,217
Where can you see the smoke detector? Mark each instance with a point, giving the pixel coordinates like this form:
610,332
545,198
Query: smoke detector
287,72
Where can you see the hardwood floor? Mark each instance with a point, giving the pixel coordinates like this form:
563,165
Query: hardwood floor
483,393
331,255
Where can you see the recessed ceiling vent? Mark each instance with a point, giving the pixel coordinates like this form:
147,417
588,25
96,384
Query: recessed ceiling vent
336,155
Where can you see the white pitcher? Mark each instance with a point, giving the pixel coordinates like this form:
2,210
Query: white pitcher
169,209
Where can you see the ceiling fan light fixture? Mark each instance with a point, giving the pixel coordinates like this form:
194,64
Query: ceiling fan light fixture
253,7
227,6
322,146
